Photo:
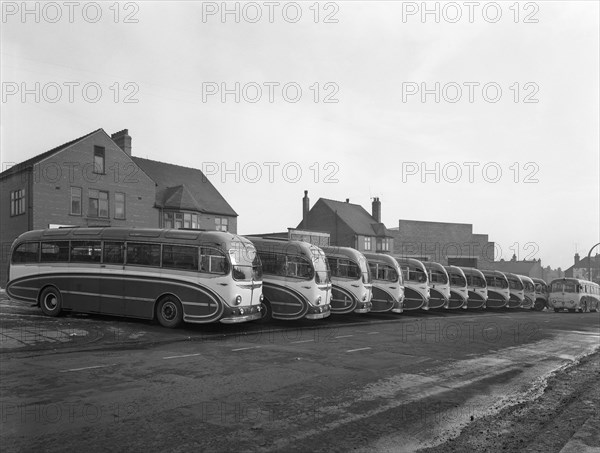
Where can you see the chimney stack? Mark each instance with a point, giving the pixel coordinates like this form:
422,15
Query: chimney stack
576,258
376,209
305,209
123,140
347,200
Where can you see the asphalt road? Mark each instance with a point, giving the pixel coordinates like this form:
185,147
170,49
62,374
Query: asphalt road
368,383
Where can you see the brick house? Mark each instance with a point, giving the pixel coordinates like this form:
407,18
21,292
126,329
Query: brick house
95,181
348,224
581,268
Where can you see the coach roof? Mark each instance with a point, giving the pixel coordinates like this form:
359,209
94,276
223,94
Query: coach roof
266,245
130,234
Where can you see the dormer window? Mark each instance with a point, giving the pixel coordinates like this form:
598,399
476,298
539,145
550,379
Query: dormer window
383,245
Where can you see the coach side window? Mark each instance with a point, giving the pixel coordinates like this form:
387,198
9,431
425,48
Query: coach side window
180,257
114,253
272,263
143,254
26,253
55,251
213,261
86,251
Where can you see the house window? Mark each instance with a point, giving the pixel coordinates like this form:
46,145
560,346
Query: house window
98,205
119,205
75,200
179,220
99,159
221,224
17,202
367,243
383,245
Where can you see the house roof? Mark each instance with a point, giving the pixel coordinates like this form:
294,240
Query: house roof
177,187
585,263
185,188
355,217
40,157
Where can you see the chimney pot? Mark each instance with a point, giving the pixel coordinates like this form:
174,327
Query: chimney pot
347,200
376,209
123,140
305,209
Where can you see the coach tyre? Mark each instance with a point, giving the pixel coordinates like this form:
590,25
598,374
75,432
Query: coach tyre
266,311
169,312
51,301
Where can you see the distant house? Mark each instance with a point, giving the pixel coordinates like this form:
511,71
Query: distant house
581,268
95,181
348,224
530,268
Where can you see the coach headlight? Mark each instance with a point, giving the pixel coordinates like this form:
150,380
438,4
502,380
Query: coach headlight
364,298
238,299
318,301
261,298
241,311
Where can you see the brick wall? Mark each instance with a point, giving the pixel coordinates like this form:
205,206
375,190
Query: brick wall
12,226
321,218
438,240
73,167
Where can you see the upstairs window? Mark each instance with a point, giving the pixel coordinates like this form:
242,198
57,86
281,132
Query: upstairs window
99,160
17,202
179,220
75,201
383,245
367,243
221,224
119,205
98,205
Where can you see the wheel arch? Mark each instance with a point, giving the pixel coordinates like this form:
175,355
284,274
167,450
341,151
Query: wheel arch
42,289
161,297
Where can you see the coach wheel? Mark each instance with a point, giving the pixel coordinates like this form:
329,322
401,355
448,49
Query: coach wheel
539,305
169,312
556,310
51,301
584,306
266,313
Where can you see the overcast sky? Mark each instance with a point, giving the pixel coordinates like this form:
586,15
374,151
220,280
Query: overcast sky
532,147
